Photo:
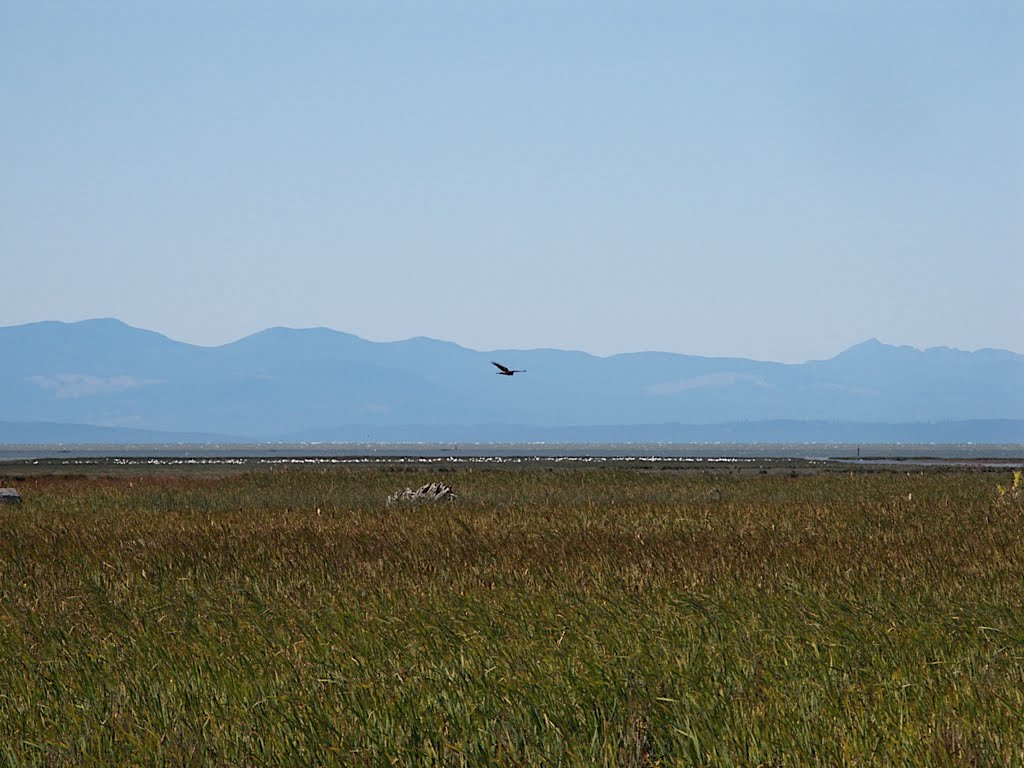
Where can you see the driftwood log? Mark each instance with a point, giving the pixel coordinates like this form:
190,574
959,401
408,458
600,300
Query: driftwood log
9,496
429,492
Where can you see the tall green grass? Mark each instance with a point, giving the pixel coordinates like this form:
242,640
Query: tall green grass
578,618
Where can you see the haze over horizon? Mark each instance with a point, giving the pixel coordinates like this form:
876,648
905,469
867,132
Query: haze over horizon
776,182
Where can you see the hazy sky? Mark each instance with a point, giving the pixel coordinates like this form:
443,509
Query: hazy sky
765,179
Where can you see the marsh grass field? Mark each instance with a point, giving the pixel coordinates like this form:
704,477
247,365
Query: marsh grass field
594,616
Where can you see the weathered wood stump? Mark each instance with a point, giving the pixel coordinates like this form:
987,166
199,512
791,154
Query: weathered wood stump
9,496
429,492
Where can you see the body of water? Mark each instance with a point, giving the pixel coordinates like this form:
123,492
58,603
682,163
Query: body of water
1009,454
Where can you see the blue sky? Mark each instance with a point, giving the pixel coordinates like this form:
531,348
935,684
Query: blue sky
771,180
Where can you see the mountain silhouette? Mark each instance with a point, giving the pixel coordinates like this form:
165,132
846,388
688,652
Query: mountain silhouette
312,383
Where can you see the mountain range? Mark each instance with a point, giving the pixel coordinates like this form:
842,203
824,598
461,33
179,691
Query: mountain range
104,381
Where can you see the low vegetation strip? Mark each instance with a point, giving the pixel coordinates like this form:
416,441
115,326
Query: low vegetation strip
580,617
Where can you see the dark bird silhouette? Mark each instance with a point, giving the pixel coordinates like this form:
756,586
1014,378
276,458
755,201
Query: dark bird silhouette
503,371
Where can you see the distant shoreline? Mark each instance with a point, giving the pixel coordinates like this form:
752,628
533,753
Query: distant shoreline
847,453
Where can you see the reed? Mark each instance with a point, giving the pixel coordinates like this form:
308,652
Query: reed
618,617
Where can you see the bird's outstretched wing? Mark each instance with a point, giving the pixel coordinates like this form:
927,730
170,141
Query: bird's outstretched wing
501,367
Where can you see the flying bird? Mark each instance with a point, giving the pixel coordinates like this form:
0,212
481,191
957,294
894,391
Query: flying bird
503,371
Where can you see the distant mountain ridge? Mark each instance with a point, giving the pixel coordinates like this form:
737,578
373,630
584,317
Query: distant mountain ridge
284,383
